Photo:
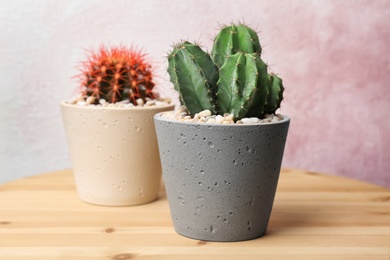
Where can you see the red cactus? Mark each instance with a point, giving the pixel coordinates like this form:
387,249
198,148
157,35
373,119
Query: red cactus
116,74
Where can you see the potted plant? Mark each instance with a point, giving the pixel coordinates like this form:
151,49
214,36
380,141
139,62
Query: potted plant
110,128
221,153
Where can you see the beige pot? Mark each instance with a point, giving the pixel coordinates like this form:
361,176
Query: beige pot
114,153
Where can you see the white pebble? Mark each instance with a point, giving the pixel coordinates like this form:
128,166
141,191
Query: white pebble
196,117
182,114
255,120
81,103
205,113
102,101
219,119
124,102
211,121
246,121
228,117
150,103
181,110
139,102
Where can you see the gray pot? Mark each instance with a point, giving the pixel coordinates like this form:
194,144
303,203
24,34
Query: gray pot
220,179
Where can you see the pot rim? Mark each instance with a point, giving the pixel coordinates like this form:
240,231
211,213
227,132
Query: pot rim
286,119
64,103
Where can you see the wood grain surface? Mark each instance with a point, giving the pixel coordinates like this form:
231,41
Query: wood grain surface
314,216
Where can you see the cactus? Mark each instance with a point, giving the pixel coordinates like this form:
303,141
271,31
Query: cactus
275,96
194,76
243,85
116,74
234,79
233,39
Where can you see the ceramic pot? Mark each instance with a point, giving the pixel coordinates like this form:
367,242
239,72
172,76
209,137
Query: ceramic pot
220,179
114,153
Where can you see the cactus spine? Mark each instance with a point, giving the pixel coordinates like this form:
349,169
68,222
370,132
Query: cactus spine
233,79
116,74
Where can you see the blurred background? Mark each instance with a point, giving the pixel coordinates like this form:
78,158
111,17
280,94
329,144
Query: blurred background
334,58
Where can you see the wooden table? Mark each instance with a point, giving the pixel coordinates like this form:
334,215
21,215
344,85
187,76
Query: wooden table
314,216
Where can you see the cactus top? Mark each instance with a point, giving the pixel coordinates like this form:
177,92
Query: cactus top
232,39
116,74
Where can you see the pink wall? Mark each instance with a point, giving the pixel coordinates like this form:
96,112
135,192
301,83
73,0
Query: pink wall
335,60
333,56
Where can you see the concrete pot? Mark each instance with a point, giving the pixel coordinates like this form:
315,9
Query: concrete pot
220,179
114,153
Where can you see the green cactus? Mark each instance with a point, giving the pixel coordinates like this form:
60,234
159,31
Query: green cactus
194,76
243,85
234,79
233,39
275,97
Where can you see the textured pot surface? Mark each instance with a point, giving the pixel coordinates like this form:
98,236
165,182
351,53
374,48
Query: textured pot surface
114,153
221,179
